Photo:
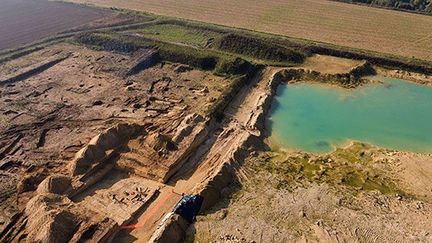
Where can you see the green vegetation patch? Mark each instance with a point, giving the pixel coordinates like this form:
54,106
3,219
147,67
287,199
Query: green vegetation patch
109,42
411,5
259,48
167,52
179,34
252,48
353,168
221,63
187,55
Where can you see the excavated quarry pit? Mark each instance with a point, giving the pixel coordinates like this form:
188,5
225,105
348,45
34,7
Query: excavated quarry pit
140,140
102,145
92,138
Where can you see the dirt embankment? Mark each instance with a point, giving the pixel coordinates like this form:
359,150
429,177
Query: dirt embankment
420,78
350,79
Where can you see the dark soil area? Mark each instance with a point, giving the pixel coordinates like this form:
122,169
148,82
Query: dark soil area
24,21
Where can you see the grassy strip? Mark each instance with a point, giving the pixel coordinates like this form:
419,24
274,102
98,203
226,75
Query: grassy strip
221,63
254,49
247,41
274,48
179,34
309,47
259,48
167,52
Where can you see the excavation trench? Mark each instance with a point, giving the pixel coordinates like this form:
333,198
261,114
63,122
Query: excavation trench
209,168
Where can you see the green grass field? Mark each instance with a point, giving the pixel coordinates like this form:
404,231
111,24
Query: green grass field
178,34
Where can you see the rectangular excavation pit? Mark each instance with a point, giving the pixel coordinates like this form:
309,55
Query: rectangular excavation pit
118,196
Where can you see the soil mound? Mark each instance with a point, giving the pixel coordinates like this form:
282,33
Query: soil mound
98,149
186,127
49,220
161,143
57,184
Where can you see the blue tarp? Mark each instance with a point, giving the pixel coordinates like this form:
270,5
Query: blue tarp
188,207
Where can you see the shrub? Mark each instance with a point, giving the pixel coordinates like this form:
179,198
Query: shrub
259,49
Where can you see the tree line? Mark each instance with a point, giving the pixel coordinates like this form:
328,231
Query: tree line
424,6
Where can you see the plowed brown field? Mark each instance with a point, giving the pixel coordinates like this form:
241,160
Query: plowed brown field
23,21
320,20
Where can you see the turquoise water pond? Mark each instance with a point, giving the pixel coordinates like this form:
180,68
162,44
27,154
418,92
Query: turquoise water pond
317,118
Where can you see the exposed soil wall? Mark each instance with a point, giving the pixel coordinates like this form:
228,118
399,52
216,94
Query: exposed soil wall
351,79
106,43
97,151
144,59
173,229
225,174
197,138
